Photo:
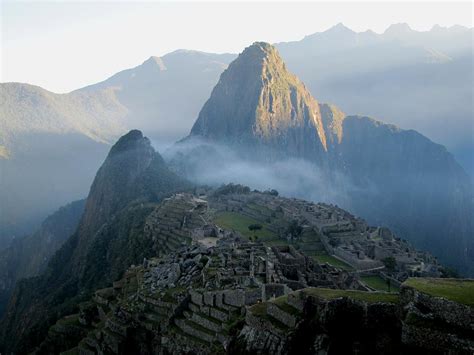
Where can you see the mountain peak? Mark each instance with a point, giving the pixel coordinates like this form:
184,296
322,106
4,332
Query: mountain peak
133,170
340,27
258,101
258,52
132,140
155,63
398,29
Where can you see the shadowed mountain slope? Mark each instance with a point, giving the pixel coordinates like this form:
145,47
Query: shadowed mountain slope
51,144
110,237
29,256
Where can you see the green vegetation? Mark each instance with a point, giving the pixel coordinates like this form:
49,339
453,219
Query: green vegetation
457,290
233,326
240,223
171,293
261,209
390,263
379,284
370,297
331,260
294,229
448,272
255,227
232,189
259,309
281,302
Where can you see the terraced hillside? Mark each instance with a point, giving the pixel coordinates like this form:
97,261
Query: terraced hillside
210,300
324,232
217,289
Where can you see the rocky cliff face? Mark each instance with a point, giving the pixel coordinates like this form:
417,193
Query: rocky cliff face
258,102
110,237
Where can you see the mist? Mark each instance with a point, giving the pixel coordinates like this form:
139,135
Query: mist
214,164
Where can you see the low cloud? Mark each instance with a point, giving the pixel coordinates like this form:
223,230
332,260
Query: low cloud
214,164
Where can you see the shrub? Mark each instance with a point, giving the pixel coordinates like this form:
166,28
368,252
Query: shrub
255,227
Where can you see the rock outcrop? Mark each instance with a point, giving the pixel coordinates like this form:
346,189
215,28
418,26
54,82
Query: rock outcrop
258,102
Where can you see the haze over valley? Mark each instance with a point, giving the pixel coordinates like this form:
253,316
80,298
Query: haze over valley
305,196
383,76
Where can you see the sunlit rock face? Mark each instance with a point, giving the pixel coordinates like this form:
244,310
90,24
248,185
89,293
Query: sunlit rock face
258,102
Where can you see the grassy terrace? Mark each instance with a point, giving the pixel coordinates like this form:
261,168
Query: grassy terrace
379,284
240,223
281,303
331,260
260,310
457,290
370,297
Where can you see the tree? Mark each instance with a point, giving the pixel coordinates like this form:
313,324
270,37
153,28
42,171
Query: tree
447,272
294,229
390,263
255,227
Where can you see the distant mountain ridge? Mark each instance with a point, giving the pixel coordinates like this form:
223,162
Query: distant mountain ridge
51,144
418,80
109,238
415,79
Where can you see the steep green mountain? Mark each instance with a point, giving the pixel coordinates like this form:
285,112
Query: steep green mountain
110,237
29,256
389,176
274,107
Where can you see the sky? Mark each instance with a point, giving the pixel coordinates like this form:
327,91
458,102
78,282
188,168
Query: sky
65,45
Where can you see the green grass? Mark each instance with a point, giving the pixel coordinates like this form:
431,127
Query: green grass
370,297
457,290
379,284
69,320
276,242
262,209
259,309
170,294
331,260
240,223
282,304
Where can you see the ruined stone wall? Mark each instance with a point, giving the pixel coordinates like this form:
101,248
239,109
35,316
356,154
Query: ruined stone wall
435,323
274,290
352,260
287,319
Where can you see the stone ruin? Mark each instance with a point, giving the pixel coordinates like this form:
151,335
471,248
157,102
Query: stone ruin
195,294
